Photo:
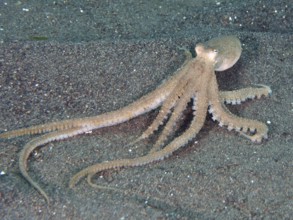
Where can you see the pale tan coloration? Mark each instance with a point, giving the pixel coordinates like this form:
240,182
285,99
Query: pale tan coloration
194,82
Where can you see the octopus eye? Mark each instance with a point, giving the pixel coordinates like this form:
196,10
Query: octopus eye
215,51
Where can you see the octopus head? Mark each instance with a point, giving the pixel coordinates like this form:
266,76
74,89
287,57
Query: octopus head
223,51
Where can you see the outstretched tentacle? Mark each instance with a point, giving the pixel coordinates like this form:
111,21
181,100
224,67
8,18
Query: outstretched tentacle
169,103
37,142
238,96
189,134
184,94
220,113
90,182
257,130
38,129
163,114
144,104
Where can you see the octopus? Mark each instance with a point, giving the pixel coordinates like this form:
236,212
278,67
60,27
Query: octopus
193,84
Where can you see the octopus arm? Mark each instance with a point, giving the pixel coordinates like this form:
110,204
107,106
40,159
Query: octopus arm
70,128
241,95
39,141
190,133
171,100
183,95
139,107
220,113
